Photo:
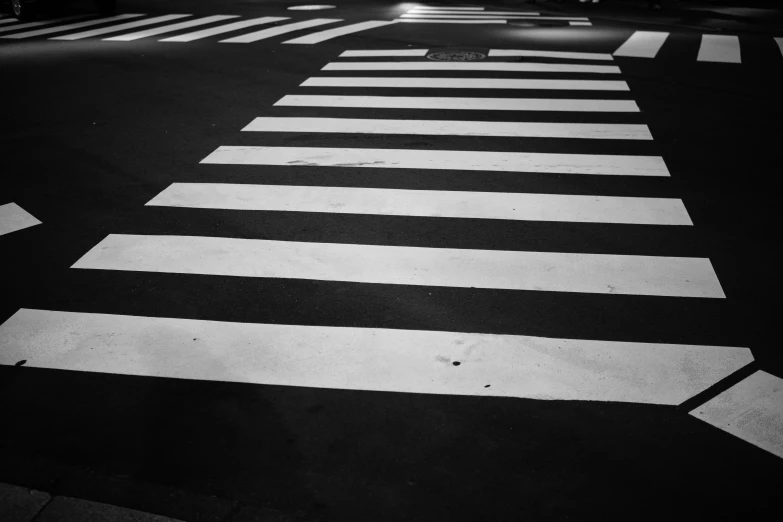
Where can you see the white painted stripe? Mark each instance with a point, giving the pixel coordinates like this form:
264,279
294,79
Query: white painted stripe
387,52
27,25
281,29
435,21
464,104
235,26
426,203
598,164
779,41
642,44
490,17
472,66
595,131
473,13
13,218
8,20
169,28
468,83
751,410
379,359
498,53
328,34
580,23
121,27
78,25
719,48
448,267
450,8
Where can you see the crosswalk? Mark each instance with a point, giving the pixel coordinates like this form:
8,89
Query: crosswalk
382,358
479,15
129,27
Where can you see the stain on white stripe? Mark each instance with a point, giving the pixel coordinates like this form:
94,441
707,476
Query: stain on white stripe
235,26
482,16
472,66
121,27
322,36
468,83
597,164
387,52
779,41
642,44
751,410
170,28
480,104
598,131
27,25
719,48
498,53
426,203
13,218
377,359
68,27
282,29
447,267
435,21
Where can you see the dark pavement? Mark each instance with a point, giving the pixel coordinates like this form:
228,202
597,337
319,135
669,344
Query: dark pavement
93,130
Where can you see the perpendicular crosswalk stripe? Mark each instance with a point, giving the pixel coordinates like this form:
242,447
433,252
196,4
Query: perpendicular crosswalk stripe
472,66
13,218
508,53
465,104
400,265
642,44
426,203
779,41
169,28
234,26
378,359
446,8
382,52
472,13
467,83
39,23
121,27
282,29
597,164
597,131
719,48
490,17
78,25
328,34
436,21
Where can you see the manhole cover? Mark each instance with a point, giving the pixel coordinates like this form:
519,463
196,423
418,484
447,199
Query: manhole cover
456,56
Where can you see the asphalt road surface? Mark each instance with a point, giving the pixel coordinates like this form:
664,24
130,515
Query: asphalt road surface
297,264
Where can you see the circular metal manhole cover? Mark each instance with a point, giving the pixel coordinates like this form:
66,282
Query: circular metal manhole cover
456,56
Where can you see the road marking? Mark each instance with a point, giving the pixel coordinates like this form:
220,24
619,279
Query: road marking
204,33
388,52
328,34
451,8
435,21
751,410
580,23
13,218
483,16
121,27
597,164
779,41
395,265
467,83
8,20
480,104
426,203
379,359
281,29
497,53
62,28
719,48
598,131
169,28
41,22
642,44
473,13
471,66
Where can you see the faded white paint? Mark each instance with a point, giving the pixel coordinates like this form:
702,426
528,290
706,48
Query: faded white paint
719,48
68,27
642,44
410,361
597,164
13,218
779,41
169,28
449,267
120,27
462,104
467,83
472,66
322,36
235,26
281,29
751,410
426,203
27,25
